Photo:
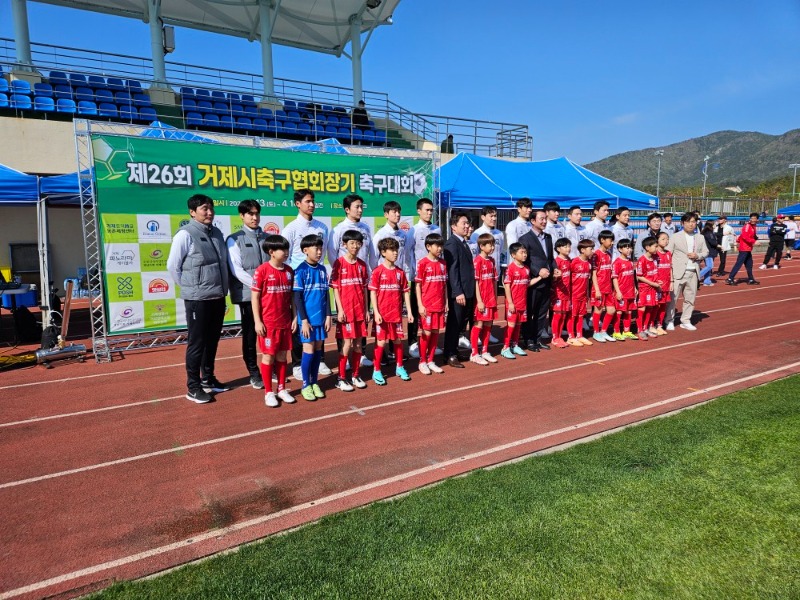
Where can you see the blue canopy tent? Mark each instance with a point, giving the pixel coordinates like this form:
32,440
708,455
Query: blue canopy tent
168,132
470,181
328,145
794,209
17,187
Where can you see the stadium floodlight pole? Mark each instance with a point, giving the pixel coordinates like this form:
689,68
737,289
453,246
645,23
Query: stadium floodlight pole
22,36
267,69
659,154
157,43
794,166
705,174
355,58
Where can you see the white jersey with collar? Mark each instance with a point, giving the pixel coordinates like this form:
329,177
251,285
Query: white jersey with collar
670,229
296,231
593,229
499,243
516,229
621,232
574,234
556,230
405,256
418,234
335,248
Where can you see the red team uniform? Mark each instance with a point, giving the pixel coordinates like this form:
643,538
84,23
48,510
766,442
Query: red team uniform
518,279
351,280
431,280
623,272
562,287
389,286
664,276
486,278
647,268
601,263
581,275
275,286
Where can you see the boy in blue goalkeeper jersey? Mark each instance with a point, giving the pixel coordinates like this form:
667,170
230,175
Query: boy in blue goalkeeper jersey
313,313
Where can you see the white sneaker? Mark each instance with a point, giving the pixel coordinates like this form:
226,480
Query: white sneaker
324,369
478,360
762,267
286,397
493,339
464,343
413,350
435,368
358,382
271,400
670,326
776,266
688,327
608,337
343,385
297,373
488,357
424,368
438,352
365,362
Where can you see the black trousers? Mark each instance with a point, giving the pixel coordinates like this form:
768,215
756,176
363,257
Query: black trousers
456,319
723,258
413,327
204,319
744,258
249,351
538,312
775,250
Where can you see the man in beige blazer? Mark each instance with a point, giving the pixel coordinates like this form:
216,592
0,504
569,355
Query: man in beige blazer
689,251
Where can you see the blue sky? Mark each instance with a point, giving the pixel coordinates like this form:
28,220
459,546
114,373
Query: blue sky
591,79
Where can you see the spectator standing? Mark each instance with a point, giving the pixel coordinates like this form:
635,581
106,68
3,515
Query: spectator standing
777,238
198,263
447,145
791,236
460,285
725,239
711,241
747,239
688,251
360,117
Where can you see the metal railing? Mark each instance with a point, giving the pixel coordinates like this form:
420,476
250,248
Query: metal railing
403,127
728,206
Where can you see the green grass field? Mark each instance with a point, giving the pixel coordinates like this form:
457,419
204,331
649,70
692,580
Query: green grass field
705,504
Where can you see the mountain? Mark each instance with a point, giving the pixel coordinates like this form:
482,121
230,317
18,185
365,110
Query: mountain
737,158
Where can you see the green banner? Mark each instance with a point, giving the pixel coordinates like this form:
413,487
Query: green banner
142,186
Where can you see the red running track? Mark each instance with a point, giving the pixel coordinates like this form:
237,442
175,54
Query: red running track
109,473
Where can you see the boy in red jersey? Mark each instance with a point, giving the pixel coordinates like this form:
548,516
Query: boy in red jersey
273,315
388,290
349,278
647,276
624,281
581,274
562,289
431,280
516,282
664,295
602,291
485,300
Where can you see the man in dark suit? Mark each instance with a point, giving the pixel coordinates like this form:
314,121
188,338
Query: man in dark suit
460,285
542,263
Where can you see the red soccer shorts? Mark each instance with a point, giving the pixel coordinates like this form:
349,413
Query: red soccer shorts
518,316
604,301
626,304
647,297
663,297
579,306
388,331
276,340
351,331
560,304
487,314
433,321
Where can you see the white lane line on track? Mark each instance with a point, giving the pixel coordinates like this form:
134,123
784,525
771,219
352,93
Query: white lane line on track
180,396
749,288
345,413
219,533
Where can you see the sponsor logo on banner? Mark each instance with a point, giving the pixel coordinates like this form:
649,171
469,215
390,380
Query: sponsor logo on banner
272,228
158,286
122,258
154,228
126,316
125,286
156,254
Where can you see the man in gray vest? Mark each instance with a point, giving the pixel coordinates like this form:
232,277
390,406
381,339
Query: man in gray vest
198,262
245,255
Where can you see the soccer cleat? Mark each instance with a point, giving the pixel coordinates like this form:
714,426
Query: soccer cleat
413,350
762,267
285,396
359,383
629,335
599,337
488,357
507,353
688,327
608,337
652,332
660,331
257,382
620,337
518,351
643,336
670,326
365,362
308,393
343,385
424,368
478,360
271,400
317,390
585,342
212,384
776,266
574,342
559,343
402,373
199,396
324,369
464,343
435,368
297,373
377,377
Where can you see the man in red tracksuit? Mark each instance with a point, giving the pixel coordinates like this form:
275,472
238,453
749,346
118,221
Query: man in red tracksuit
747,239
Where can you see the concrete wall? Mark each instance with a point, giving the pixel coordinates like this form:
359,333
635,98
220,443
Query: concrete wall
38,146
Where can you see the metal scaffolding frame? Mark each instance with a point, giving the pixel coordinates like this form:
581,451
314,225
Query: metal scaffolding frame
103,344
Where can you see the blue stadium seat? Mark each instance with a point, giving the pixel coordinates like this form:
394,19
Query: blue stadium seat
371,124
218,96
4,85
327,108
237,110
358,135
293,116
280,115
20,102
344,134
289,105
18,86
331,131
204,106
304,129
211,120
259,124
104,96
58,78
115,84
194,119
187,93
248,100
62,92
123,98
43,90
202,94
289,129
244,123
3,100
77,80
368,137
105,109
188,105
87,108
66,105
226,122
380,137
83,93
128,112
222,108
332,120
274,126
233,97
141,100
148,114
251,112
44,104
339,109
96,82
134,87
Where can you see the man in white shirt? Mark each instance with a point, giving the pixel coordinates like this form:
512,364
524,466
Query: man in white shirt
553,227
791,236
621,229
688,251
667,224
598,222
423,228
488,223
522,224
305,224
573,230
